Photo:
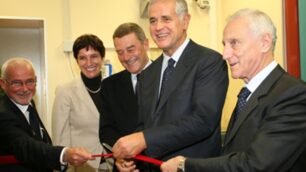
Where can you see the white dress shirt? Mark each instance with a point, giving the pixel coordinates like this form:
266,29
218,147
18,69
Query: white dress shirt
259,78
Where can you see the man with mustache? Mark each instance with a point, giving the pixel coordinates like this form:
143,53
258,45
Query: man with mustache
22,133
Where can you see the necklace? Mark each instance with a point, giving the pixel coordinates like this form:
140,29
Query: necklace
94,92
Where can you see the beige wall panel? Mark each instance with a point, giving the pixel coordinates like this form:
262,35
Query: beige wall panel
67,19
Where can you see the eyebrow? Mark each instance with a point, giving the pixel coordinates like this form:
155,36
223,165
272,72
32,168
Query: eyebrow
131,46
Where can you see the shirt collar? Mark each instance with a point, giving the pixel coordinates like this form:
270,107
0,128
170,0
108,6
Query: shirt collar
23,108
258,79
177,54
134,75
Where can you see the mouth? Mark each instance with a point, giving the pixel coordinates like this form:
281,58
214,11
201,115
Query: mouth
161,35
23,94
232,64
131,61
91,68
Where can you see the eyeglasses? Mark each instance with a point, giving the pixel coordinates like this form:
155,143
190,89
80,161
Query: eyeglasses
18,83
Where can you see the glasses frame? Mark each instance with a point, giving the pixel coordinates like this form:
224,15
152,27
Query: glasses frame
19,83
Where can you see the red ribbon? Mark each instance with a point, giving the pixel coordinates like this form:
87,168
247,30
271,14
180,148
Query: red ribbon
138,157
149,159
8,159
107,155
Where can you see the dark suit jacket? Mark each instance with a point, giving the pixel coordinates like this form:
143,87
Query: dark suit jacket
119,108
17,139
270,132
186,120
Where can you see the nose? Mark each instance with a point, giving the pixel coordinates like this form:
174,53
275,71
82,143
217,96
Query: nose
158,25
125,56
24,86
227,52
89,62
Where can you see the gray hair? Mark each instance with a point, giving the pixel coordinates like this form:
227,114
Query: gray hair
259,22
14,60
181,7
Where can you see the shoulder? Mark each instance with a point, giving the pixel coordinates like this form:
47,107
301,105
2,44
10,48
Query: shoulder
200,50
280,86
69,85
203,58
4,104
282,79
116,77
155,65
290,82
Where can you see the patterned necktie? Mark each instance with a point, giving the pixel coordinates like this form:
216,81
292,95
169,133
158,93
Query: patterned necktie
166,75
242,100
34,122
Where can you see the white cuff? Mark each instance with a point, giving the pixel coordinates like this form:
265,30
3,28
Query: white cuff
62,156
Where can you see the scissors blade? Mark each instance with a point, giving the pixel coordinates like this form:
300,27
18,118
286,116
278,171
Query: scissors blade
107,147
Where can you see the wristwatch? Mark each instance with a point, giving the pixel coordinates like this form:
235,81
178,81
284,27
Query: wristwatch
181,165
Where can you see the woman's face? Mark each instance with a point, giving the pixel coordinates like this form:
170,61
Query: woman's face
90,62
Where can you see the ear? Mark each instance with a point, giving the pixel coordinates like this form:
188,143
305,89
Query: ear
2,85
266,40
146,44
186,21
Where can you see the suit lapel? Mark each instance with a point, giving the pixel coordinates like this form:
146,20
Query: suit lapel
127,91
153,87
178,74
46,138
87,100
19,114
252,103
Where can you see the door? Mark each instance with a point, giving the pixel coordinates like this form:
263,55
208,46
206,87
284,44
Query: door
25,38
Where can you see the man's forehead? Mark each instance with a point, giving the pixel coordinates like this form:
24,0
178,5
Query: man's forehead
20,72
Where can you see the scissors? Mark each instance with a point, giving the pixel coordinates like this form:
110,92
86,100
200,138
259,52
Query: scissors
138,157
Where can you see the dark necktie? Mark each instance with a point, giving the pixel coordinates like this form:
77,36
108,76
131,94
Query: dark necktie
34,121
136,85
166,75
242,100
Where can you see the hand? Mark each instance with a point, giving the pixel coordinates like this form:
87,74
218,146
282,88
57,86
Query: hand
77,156
129,146
172,164
126,165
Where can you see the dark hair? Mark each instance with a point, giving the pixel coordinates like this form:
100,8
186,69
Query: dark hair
127,28
87,41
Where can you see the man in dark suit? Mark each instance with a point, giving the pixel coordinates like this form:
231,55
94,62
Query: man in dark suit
184,116
119,103
268,134
119,113
22,133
